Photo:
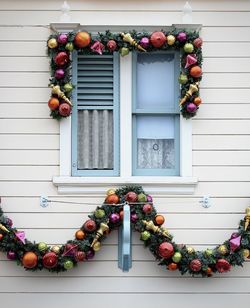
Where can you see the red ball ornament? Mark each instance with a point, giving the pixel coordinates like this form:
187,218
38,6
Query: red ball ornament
195,71
50,260
112,199
195,265
147,208
222,266
64,110
89,225
157,39
111,45
131,196
80,256
82,39
198,42
61,58
30,259
166,250
1,236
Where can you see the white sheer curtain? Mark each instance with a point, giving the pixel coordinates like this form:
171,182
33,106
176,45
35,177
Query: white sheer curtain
155,142
95,139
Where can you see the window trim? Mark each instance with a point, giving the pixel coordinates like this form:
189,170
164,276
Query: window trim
163,186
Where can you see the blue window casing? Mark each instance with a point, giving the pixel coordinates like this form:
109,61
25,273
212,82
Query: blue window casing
157,112
111,104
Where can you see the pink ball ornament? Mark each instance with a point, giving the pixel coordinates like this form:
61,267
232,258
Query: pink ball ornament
182,37
195,265
157,39
147,208
114,218
166,250
191,108
59,73
111,45
62,38
134,217
144,42
149,198
198,42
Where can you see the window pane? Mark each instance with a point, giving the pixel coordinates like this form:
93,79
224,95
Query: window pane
155,81
95,139
155,142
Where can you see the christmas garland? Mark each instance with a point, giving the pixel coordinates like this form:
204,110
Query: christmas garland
144,219
61,45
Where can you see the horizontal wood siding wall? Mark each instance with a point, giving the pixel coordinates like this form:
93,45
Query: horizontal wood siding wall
29,157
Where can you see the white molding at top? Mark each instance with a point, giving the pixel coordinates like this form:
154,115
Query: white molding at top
74,26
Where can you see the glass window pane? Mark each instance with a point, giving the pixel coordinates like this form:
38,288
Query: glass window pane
95,139
155,142
155,81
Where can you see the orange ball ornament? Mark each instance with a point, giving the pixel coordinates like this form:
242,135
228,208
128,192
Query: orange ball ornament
159,220
82,39
209,271
80,235
172,266
30,259
121,215
112,199
197,101
196,71
53,103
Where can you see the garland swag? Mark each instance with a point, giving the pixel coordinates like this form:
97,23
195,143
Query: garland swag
144,218
60,47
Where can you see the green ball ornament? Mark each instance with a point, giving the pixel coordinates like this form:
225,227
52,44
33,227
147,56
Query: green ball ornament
68,264
99,213
42,247
69,46
145,235
142,198
177,257
188,48
183,79
208,252
68,87
124,51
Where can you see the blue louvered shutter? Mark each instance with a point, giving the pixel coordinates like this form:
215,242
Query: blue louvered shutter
95,129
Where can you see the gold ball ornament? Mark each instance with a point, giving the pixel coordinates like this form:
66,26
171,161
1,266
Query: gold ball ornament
246,253
111,191
170,40
97,246
52,43
55,249
190,250
222,249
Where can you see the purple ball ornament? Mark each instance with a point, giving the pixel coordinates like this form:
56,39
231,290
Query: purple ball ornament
191,108
182,37
149,198
134,217
62,38
144,42
114,218
9,222
11,255
90,254
59,73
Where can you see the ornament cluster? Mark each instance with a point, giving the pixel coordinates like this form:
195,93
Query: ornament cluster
144,219
61,45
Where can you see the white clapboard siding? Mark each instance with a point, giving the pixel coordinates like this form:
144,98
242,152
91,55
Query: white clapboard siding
29,158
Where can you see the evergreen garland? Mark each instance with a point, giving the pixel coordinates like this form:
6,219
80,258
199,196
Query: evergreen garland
232,252
54,47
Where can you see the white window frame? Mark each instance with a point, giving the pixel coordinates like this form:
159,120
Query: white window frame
161,185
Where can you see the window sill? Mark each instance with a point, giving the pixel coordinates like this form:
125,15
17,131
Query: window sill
98,186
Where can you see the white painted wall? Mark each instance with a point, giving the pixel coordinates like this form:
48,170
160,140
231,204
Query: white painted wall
29,157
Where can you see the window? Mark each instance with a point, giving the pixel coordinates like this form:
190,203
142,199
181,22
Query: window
95,126
156,116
